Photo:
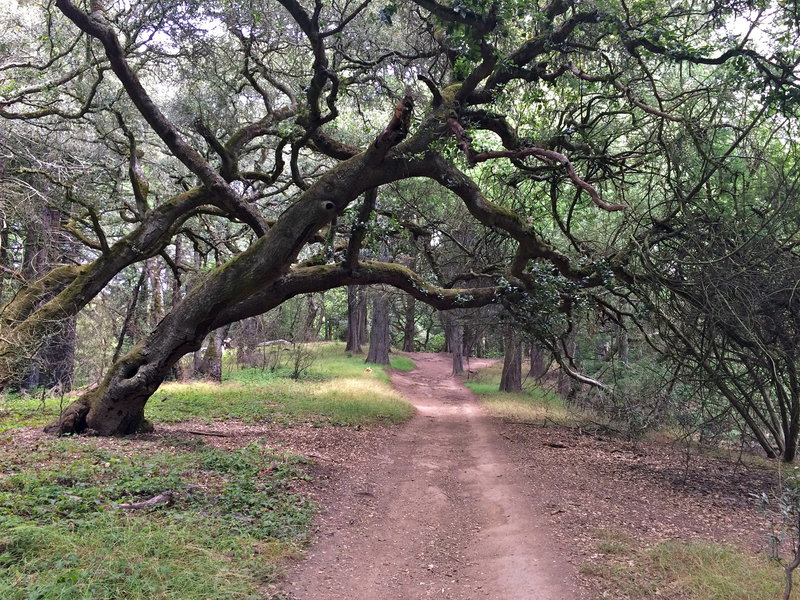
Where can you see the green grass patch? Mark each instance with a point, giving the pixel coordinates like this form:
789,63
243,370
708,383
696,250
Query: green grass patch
705,571
341,391
335,390
402,363
683,571
28,411
234,515
535,404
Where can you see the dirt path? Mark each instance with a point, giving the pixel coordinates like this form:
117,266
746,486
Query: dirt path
440,514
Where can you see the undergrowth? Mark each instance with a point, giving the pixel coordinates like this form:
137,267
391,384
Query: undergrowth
536,404
233,515
675,570
63,534
336,389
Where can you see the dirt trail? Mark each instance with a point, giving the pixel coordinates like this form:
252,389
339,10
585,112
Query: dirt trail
441,513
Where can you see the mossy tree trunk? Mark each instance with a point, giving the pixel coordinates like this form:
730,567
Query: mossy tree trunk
61,293
266,274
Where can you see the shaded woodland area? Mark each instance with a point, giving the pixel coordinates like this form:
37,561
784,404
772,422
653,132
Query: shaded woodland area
608,188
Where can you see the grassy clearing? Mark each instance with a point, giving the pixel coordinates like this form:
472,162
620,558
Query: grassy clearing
683,571
27,411
336,389
362,395
233,515
536,404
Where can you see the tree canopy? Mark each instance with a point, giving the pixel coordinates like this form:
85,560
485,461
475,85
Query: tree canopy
540,156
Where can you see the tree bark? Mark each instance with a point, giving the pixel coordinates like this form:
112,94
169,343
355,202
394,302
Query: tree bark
379,340
623,346
153,268
210,366
354,320
310,330
511,378
51,363
363,328
3,232
409,326
538,368
455,341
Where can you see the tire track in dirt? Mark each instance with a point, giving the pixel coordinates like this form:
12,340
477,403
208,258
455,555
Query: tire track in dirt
438,513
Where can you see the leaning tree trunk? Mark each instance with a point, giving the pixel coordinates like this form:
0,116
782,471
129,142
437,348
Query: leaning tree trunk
28,316
511,378
379,333
116,406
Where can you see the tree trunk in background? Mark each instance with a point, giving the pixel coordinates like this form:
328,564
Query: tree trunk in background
363,329
3,233
178,371
468,341
176,282
455,341
153,268
538,365
623,347
312,324
447,325
210,366
511,378
354,320
379,333
324,325
409,327
45,246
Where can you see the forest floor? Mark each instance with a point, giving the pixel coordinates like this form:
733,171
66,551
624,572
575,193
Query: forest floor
456,504
453,503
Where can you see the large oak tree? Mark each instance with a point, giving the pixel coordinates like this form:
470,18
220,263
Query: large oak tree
568,131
